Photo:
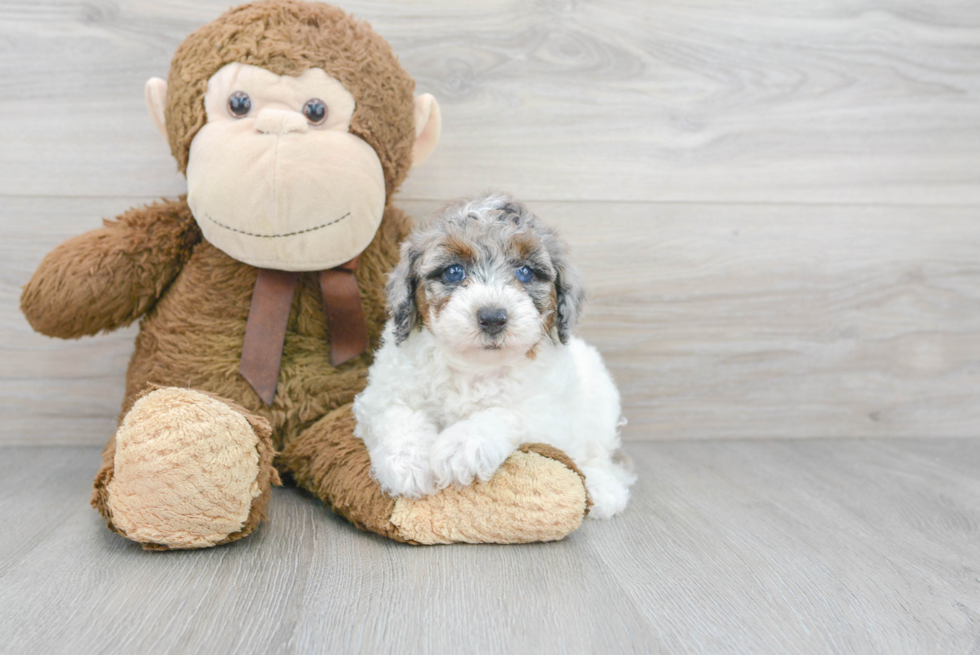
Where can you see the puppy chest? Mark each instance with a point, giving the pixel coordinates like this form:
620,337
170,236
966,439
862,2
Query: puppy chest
450,403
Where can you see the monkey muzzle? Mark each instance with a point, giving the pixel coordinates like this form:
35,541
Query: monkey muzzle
273,189
286,199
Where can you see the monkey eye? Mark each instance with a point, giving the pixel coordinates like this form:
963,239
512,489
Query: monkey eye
239,104
315,111
454,273
524,274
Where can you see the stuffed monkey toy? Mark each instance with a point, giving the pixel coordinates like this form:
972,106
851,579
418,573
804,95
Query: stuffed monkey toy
260,295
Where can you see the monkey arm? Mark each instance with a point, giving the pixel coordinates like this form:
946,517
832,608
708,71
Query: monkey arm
109,277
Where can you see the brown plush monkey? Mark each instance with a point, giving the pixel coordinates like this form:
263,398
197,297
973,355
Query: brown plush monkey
261,294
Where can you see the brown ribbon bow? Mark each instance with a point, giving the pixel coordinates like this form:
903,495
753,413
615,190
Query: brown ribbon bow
268,316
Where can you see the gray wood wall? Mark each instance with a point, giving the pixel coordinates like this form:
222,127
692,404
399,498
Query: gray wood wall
775,203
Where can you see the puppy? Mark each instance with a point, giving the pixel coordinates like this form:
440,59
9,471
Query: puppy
478,358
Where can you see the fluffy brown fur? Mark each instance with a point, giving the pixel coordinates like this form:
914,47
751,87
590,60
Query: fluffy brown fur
194,300
329,461
193,336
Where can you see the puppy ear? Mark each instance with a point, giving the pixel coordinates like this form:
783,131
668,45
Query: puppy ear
402,283
570,293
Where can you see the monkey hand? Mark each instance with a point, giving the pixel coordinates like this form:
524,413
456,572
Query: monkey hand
109,277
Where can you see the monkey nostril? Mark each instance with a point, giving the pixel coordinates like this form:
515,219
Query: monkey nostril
491,319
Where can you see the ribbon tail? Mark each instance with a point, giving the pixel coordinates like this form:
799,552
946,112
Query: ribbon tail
265,332
345,316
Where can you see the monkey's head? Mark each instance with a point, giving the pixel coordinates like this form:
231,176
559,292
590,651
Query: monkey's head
294,124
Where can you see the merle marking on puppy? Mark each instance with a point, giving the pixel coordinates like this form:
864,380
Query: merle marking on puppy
478,358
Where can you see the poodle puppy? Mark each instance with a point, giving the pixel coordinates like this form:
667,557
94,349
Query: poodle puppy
478,358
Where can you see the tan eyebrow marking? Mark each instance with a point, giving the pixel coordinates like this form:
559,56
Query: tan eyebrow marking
459,247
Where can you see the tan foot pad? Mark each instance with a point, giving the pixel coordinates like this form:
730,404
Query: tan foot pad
533,497
186,470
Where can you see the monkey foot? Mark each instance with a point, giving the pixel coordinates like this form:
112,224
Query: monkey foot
537,495
186,470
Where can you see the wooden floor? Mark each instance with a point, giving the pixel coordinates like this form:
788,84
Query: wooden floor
817,546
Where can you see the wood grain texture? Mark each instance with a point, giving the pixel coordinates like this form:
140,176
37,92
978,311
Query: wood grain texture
728,547
717,321
861,101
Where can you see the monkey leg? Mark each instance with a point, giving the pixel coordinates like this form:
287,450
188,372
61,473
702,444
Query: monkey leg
537,495
186,469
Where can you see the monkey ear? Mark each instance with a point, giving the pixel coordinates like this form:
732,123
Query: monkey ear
428,127
156,102
402,284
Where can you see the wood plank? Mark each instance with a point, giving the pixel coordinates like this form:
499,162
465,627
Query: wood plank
765,546
784,321
740,321
755,101
54,391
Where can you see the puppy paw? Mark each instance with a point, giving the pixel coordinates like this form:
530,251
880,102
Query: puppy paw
461,455
608,489
404,472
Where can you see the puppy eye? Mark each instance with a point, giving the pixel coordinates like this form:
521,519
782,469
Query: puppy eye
315,111
239,104
524,274
454,273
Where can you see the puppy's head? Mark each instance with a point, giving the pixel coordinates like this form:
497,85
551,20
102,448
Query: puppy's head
487,279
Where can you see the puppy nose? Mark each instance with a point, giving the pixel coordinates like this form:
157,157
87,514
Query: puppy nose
279,121
491,319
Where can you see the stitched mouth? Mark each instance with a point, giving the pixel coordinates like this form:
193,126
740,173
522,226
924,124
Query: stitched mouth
277,236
